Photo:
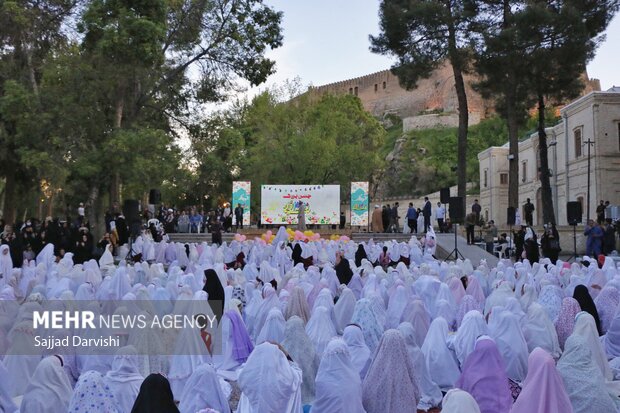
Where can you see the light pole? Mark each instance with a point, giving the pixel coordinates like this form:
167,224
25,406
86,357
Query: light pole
589,142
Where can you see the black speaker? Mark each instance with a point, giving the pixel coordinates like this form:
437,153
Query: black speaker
444,195
457,210
131,210
154,197
511,213
573,212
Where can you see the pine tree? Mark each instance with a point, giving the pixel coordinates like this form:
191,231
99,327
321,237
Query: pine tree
423,34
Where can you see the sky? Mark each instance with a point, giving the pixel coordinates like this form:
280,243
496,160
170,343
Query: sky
327,41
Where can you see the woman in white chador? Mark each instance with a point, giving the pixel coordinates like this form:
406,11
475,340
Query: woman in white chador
320,329
338,385
440,361
49,390
273,329
430,395
358,350
123,379
269,382
203,390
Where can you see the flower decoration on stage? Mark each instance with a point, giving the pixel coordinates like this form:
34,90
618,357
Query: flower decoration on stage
240,237
296,235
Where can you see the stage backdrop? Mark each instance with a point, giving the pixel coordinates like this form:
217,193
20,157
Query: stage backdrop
241,195
280,203
359,204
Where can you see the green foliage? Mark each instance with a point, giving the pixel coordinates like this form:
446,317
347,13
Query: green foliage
332,140
106,107
322,140
428,158
422,34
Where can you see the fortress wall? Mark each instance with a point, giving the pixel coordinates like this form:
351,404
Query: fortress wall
381,93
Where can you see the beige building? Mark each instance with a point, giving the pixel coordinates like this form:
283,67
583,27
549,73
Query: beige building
595,117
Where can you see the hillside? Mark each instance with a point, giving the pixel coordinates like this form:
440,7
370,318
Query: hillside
423,161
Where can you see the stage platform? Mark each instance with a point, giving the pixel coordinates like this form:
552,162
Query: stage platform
257,233
445,242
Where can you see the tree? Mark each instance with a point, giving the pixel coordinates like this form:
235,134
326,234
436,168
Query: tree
28,32
562,37
529,53
499,61
422,34
310,140
133,68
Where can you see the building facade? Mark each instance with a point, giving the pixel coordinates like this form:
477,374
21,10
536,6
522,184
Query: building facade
594,117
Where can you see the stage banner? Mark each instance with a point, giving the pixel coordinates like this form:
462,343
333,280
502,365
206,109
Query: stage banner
359,204
280,204
241,195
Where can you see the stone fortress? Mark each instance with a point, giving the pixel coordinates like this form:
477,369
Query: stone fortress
432,104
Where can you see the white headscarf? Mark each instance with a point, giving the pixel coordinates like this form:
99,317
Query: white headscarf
583,379
586,327
472,327
269,382
6,402
202,390
459,401
539,331
273,329
320,329
430,394
338,385
440,361
6,264
49,390
123,379
396,306
358,350
505,330
343,310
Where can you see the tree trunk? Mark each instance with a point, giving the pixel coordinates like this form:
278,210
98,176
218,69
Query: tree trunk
31,71
50,206
92,208
458,64
9,197
546,195
462,133
513,139
115,183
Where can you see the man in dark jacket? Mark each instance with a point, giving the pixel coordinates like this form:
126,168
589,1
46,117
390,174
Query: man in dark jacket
426,213
239,216
609,237
394,218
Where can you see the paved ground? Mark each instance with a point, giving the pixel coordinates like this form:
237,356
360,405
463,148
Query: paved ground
445,245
